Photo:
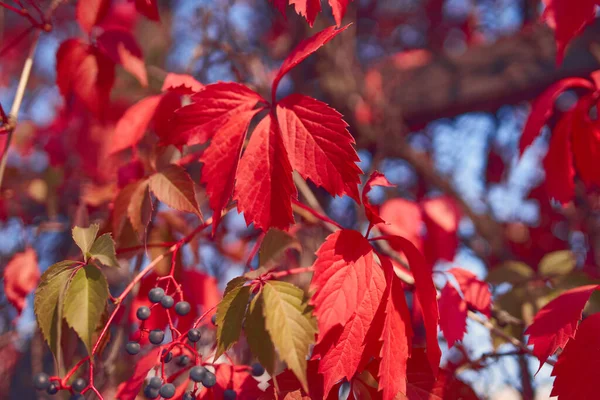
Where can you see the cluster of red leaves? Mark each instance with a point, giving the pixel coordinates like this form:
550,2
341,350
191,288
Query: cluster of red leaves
575,143
21,276
310,8
361,309
298,133
431,225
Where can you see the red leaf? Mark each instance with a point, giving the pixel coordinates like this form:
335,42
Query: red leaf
235,377
424,385
404,219
577,368
87,73
567,21
586,142
475,292
307,46
221,160
543,107
21,276
173,186
453,315
556,322
148,8
441,216
342,349
426,294
212,107
90,12
132,126
122,48
308,9
129,390
372,213
185,84
264,186
396,337
558,163
339,9
343,273
319,145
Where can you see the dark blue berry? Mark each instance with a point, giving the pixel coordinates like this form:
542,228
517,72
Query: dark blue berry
77,396
132,348
257,370
182,308
167,356
213,319
198,373
344,390
143,313
209,380
41,381
156,294
150,393
52,389
155,382
183,361
156,336
194,335
79,385
167,391
188,396
229,394
167,302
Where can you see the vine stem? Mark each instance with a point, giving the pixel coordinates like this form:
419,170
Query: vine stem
16,105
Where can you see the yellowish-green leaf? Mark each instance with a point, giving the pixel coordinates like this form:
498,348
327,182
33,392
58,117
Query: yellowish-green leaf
174,187
84,238
290,325
48,301
103,250
230,314
259,339
274,244
513,272
85,301
557,263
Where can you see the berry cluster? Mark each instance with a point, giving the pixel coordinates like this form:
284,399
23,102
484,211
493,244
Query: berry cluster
52,386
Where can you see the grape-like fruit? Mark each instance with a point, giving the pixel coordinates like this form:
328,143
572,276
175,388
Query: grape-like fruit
77,396
151,393
167,302
198,373
194,335
229,394
156,336
41,381
183,361
155,382
52,389
188,396
182,308
79,385
143,313
132,348
156,294
167,391
167,356
209,379
213,319
257,369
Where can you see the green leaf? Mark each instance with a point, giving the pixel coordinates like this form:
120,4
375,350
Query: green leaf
84,237
557,263
48,301
230,314
174,187
103,250
259,339
290,325
85,301
274,244
513,272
